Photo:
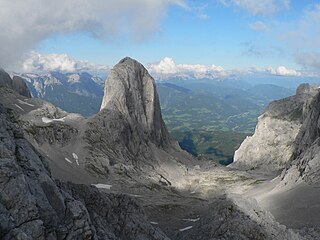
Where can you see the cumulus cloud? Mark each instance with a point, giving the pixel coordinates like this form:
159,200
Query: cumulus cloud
284,71
37,62
258,7
23,24
279,71
167,68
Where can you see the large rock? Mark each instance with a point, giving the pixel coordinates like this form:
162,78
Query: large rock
17,84
306,157
129,128
274,140
20,86
5,80
130,91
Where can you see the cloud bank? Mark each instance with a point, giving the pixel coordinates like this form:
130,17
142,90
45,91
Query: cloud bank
167,68
278,71
23,24
284,71
37,62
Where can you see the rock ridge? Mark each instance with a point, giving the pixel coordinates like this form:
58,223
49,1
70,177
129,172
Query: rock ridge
273,144
131,92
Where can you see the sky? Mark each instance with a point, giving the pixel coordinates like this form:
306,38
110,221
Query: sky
279,37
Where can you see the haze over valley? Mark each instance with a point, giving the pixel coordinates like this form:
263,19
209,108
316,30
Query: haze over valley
164,119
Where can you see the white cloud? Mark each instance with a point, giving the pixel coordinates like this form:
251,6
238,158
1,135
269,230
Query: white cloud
283,71
258,26
279,71
23,24
258,7
167,67
37,62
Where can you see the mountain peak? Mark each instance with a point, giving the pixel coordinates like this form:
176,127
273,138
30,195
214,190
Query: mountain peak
131,92
128,60
16,83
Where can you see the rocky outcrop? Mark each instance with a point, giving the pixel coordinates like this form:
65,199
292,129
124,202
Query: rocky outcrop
20,86
34,206
274,140
17,84
129,127
5,79
306,164
130,92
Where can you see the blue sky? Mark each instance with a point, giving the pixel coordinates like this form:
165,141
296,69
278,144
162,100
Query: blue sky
234,34
222,36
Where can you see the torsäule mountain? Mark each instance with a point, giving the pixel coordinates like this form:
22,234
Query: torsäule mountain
145,186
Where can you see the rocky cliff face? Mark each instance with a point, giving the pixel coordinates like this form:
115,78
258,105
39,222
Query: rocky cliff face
20,86
274,140
131,93
129,128
5,80
306,164
17,84
34,206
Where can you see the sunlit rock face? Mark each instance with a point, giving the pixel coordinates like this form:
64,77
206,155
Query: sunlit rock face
131,91
274,140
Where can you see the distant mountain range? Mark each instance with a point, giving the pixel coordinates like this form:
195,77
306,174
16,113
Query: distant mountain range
200,114
74,92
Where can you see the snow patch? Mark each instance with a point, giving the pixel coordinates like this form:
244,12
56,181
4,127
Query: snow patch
59,119
185,229
154,223
25,103
46,120
49,120
68,160
101,185
74,78
75,156
19,107
135,195
191,219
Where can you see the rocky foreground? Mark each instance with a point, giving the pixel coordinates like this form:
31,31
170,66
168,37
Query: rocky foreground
145,186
